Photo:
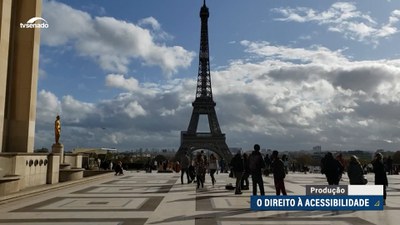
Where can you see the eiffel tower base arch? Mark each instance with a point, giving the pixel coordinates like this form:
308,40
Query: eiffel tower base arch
216,144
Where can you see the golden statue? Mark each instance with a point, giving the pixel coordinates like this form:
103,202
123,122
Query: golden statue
57,129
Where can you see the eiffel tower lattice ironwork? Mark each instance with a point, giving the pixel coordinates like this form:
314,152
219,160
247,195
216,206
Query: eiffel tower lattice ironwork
204,104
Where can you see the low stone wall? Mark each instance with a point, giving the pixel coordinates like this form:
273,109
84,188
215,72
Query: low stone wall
71,174
23,170
9,184
31,167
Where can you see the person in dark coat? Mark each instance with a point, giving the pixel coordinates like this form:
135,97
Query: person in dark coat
118,169
237,168
332,169
185,162
200,168
246,173
278,169
355,171
256,165
380,173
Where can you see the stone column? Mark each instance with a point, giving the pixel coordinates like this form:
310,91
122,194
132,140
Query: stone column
53,168
5,20
23,63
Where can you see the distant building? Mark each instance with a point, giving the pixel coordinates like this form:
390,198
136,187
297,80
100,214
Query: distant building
317,148
98,151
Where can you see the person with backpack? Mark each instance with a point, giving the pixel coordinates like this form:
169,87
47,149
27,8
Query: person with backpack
256,165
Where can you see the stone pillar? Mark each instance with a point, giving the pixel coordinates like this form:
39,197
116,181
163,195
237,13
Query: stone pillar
58,149
53,168
22,74
5,20
78,161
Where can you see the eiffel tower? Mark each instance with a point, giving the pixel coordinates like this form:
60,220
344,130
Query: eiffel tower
204,104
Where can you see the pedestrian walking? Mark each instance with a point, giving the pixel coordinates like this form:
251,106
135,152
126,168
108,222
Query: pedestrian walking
200,170
212,167
185,162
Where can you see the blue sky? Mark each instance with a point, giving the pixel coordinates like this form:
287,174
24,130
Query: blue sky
288,75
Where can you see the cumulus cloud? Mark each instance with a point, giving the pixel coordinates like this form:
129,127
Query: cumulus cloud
278,96
141,116
48,106
314,94
110,42
345,18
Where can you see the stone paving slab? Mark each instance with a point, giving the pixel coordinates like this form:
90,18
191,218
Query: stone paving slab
143,198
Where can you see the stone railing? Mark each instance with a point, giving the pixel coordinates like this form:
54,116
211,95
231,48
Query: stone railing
30,167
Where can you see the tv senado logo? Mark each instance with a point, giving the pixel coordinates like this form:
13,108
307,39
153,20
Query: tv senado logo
31,23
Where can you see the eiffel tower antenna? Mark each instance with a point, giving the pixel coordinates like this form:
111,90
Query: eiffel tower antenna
204,104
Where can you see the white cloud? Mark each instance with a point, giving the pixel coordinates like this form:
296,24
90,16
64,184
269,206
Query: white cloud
150,21
74,111
48,107
343,17
119,81
130,84
281,97
133,109
142,113
112,43
319,54
296,88
59,16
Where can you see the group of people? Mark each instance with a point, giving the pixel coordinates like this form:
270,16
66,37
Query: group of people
196,170
242,166
333,168
254,164
245,165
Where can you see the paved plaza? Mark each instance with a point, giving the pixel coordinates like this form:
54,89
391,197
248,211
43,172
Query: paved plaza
139,198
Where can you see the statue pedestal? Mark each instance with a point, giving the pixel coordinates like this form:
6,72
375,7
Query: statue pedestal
58,148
